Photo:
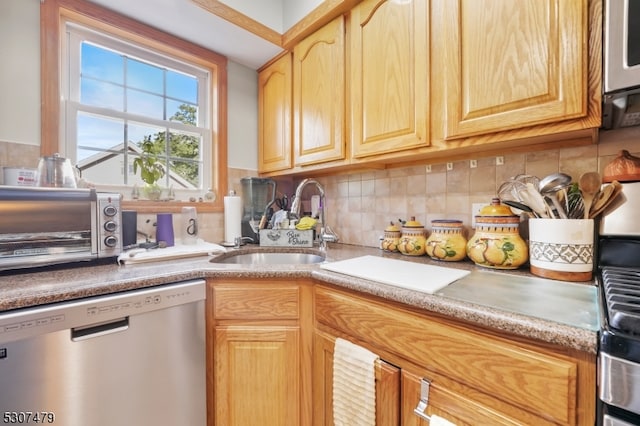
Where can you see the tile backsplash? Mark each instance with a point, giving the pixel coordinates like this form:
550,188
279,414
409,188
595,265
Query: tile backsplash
360,205
18,155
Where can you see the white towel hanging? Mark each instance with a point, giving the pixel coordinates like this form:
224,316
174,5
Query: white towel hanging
439,421
354,385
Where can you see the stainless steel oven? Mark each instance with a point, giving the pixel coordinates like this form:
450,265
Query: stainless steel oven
618,277
45,226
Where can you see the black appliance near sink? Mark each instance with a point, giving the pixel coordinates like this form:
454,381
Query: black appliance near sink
618,278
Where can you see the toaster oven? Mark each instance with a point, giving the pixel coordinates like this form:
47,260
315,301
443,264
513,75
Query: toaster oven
47,226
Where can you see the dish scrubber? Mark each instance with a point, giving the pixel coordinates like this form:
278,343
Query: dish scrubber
306,223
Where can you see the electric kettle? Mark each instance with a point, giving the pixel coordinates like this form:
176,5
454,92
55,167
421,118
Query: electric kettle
56,171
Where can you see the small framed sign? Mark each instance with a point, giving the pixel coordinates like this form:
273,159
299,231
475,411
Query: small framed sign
286,238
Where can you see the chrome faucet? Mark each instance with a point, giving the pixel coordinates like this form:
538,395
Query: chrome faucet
326,234
239,241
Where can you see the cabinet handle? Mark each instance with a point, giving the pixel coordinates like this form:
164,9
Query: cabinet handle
424,401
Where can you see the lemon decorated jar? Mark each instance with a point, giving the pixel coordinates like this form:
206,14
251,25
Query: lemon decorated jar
412,239
497,242
446,241
391,238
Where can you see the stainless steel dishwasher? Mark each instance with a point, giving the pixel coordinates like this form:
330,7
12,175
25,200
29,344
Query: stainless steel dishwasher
131,358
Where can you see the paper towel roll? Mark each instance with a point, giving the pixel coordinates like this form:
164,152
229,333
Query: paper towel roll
315,205
232,218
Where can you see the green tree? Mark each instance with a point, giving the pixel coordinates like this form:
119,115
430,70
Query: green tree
182,148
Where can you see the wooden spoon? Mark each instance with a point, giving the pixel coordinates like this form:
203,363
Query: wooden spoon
589,184
609,194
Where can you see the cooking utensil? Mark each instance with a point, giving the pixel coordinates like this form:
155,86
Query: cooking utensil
283,203
518,205
510,190
575,204
532,198
589,186
551,185
606,196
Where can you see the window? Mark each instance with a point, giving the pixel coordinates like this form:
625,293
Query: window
120,99
124,88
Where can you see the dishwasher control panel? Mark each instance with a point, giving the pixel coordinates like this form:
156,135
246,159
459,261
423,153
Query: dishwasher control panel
24,323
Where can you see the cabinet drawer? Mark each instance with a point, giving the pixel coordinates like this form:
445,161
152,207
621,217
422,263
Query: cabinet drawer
256,302
539,383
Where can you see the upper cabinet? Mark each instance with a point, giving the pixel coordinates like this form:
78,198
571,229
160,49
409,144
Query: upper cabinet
274,116
319,96
440,79
503,65
388,77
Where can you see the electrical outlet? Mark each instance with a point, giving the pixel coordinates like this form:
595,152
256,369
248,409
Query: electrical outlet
475,210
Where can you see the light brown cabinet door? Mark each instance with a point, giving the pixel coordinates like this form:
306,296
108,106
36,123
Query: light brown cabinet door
388,79
257,376
444,402
319,96
387,386
504,64
274,116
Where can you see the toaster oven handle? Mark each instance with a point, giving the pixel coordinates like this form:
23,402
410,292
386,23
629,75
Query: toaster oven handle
10,193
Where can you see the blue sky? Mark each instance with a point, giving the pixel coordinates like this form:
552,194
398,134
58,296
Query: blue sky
148,91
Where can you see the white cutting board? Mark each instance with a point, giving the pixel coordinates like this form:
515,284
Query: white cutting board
398,273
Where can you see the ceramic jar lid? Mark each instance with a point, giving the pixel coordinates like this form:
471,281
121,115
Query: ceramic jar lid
497,213
392,227
413,223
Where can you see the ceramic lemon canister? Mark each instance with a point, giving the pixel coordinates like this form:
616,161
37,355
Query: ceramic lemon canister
391,238
412,239
497,242
446,241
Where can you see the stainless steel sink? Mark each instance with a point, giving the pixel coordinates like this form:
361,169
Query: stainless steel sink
270,258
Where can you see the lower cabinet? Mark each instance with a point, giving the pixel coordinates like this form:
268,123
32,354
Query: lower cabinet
270,349
476,376
387,386
259,354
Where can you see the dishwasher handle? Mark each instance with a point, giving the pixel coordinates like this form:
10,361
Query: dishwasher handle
96,330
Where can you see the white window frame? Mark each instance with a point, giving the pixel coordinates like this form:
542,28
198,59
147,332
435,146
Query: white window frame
73,36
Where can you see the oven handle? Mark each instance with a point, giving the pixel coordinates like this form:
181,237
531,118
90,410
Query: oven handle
79,334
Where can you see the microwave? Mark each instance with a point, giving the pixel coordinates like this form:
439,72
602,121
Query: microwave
48,226
621,64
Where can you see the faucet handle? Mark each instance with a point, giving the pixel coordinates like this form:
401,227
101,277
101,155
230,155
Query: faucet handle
237,242
327,235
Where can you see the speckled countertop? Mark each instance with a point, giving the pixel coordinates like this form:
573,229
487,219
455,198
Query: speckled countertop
516,302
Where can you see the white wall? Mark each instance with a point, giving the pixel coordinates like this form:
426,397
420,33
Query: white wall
279,15
20,71
20,87
294,10
267,12
242,137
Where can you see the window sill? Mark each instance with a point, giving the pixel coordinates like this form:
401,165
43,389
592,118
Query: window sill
146,206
